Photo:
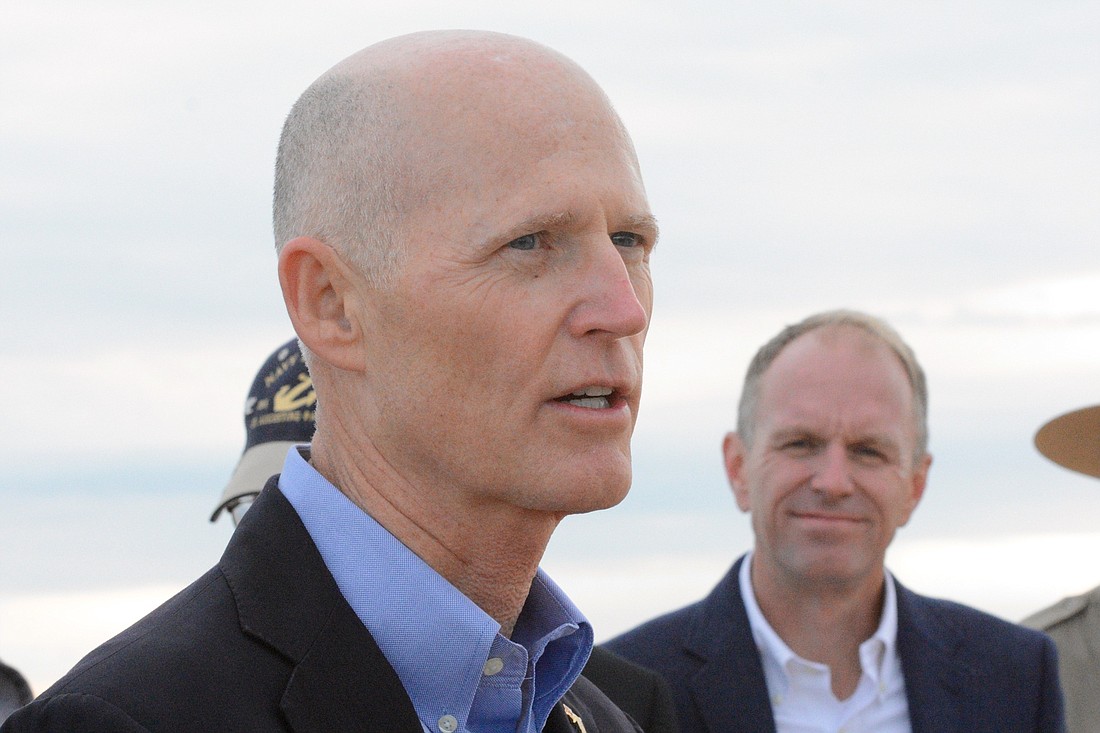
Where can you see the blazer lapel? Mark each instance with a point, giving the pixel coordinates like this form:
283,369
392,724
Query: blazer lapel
344,683
560,722
934,679
729,689
287,598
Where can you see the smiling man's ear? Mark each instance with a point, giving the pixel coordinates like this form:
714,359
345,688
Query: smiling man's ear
733,457
321,298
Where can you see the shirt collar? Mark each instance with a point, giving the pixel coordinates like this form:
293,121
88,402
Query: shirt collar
435,638
876,654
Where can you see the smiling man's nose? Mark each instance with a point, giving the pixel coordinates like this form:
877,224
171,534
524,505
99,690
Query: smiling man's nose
832,472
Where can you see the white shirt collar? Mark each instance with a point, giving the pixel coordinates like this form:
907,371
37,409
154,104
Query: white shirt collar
878,654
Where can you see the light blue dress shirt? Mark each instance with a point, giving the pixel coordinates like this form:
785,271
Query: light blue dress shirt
460,673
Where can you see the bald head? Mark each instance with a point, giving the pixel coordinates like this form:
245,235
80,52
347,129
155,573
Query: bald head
390,132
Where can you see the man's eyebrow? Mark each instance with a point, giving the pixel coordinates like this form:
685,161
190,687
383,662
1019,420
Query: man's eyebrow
792,431
877,440
644,221
566,219
547,221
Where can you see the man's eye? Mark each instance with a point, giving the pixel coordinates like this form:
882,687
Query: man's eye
524,243
626,239
869,453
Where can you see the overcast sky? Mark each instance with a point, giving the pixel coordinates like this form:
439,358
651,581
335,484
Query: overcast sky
935,163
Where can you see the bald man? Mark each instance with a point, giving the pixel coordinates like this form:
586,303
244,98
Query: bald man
464,245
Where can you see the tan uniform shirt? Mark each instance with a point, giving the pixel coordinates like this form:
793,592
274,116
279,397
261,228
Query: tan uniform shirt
1074,624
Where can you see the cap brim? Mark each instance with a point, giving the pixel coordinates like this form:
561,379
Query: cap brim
257,465
1073,440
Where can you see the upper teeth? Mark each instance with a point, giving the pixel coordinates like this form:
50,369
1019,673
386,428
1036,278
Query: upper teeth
593,392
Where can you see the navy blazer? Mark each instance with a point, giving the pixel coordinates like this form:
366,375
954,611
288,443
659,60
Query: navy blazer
965,671
264,641
639,692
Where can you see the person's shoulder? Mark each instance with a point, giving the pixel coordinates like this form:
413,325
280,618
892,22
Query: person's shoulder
1066,611
654,641
71,713
980,630
664,630
161,662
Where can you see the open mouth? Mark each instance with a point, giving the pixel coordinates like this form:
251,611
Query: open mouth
592,398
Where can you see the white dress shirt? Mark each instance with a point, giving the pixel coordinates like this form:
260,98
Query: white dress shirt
801,691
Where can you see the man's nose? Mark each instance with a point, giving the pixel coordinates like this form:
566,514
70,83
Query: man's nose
832,472
610,300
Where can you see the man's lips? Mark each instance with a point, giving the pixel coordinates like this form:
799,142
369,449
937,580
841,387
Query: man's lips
595,397
828,517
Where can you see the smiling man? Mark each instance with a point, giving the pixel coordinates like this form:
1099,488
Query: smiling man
809,631
464,245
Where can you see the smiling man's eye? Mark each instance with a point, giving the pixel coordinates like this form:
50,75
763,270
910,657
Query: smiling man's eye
526,242
798,445
868,453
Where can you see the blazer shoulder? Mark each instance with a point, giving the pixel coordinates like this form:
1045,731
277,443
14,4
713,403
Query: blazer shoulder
141,650
666,635
980,671
968,635
71,713
668,625
924,609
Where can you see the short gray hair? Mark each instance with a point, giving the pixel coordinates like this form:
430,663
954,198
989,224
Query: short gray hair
338,174
875,327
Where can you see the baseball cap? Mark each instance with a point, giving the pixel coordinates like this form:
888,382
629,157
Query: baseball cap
278,414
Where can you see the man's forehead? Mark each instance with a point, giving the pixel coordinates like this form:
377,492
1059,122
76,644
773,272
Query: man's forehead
810,352
819,375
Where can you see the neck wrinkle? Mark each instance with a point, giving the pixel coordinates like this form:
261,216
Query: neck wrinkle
489,552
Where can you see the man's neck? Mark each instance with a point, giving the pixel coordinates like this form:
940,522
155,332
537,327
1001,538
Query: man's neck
823,623
489,552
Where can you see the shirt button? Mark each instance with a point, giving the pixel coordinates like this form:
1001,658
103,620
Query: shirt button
448,724
492,666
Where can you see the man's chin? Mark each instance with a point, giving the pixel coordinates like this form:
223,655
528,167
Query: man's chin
588,493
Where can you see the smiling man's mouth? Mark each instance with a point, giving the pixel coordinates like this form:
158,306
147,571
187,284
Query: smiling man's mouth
827,517
593,398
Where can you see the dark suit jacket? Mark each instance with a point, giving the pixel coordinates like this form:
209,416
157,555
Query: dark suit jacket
639,692
262,642
965,671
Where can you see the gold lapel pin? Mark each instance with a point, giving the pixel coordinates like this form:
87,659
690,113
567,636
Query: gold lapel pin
574,718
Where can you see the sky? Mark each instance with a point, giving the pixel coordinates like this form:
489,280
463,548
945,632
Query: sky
933,163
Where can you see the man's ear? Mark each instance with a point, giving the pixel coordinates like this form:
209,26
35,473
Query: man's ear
917,483
320,295
733,455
